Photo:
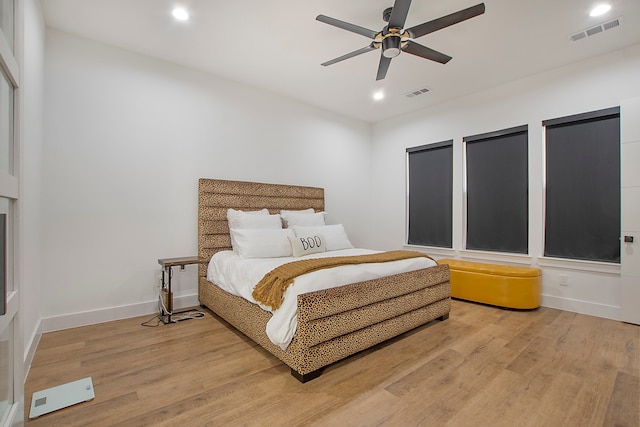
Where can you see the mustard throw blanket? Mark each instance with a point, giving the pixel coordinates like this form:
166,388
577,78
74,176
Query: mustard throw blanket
270,290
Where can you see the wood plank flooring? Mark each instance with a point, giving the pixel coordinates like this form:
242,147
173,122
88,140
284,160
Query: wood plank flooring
483,366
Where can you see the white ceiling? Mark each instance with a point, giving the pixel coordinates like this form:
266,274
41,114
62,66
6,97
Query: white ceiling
278,45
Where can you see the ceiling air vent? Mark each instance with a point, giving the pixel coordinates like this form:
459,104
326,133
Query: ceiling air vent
416,92
597,29
612,24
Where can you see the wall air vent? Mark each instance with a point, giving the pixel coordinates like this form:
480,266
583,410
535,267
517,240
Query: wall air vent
597,29
416,92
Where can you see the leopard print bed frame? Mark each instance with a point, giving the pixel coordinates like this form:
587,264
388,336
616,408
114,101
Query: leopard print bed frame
333,323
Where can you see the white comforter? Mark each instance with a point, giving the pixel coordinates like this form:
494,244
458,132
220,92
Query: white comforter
239,276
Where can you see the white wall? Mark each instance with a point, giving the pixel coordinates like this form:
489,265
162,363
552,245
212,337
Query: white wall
599,83
630,152
127,138
31,177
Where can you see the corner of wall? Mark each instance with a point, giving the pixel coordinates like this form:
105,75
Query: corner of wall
31,347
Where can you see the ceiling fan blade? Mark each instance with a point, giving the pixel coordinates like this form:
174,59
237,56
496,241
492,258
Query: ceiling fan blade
446,21
350,55
399,13
426,52
347,26
383,67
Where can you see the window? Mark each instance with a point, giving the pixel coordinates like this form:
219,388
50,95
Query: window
582,212
498,191
430,194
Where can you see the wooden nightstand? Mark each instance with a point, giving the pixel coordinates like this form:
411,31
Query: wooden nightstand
167,265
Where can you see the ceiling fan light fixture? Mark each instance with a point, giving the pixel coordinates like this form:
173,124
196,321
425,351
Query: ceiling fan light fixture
391,46
378,96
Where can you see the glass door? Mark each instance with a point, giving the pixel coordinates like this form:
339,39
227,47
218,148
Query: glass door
11,351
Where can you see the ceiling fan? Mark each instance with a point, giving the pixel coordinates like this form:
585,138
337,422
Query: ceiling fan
393,38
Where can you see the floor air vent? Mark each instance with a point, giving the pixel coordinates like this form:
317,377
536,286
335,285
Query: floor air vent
417,92
615,23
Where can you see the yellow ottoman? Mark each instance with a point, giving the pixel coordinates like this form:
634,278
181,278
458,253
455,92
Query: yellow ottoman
500,285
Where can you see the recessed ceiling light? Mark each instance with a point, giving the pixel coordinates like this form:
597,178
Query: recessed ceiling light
600,10
180,14
378,95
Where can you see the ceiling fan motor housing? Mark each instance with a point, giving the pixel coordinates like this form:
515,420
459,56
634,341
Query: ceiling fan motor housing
391,46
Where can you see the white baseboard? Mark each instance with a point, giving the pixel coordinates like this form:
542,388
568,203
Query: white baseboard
74,320
582,307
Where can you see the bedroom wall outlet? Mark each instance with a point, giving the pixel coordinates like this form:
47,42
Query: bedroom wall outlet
158,282
563,279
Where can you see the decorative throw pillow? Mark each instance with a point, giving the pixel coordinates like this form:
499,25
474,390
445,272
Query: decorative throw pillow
306,245
262,242
335,237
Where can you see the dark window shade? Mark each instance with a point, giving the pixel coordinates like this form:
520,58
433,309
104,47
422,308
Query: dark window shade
430,199
498,191
582,216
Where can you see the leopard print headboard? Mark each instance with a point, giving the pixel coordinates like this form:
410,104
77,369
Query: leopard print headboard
215,196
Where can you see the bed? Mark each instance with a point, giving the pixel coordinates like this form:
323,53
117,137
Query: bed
332,324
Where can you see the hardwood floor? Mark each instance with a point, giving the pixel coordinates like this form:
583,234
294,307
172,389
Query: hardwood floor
482,367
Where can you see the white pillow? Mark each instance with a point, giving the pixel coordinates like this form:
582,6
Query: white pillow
303,219
335,237
256,221
262,242
235,216
311,244
284,212
252,219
